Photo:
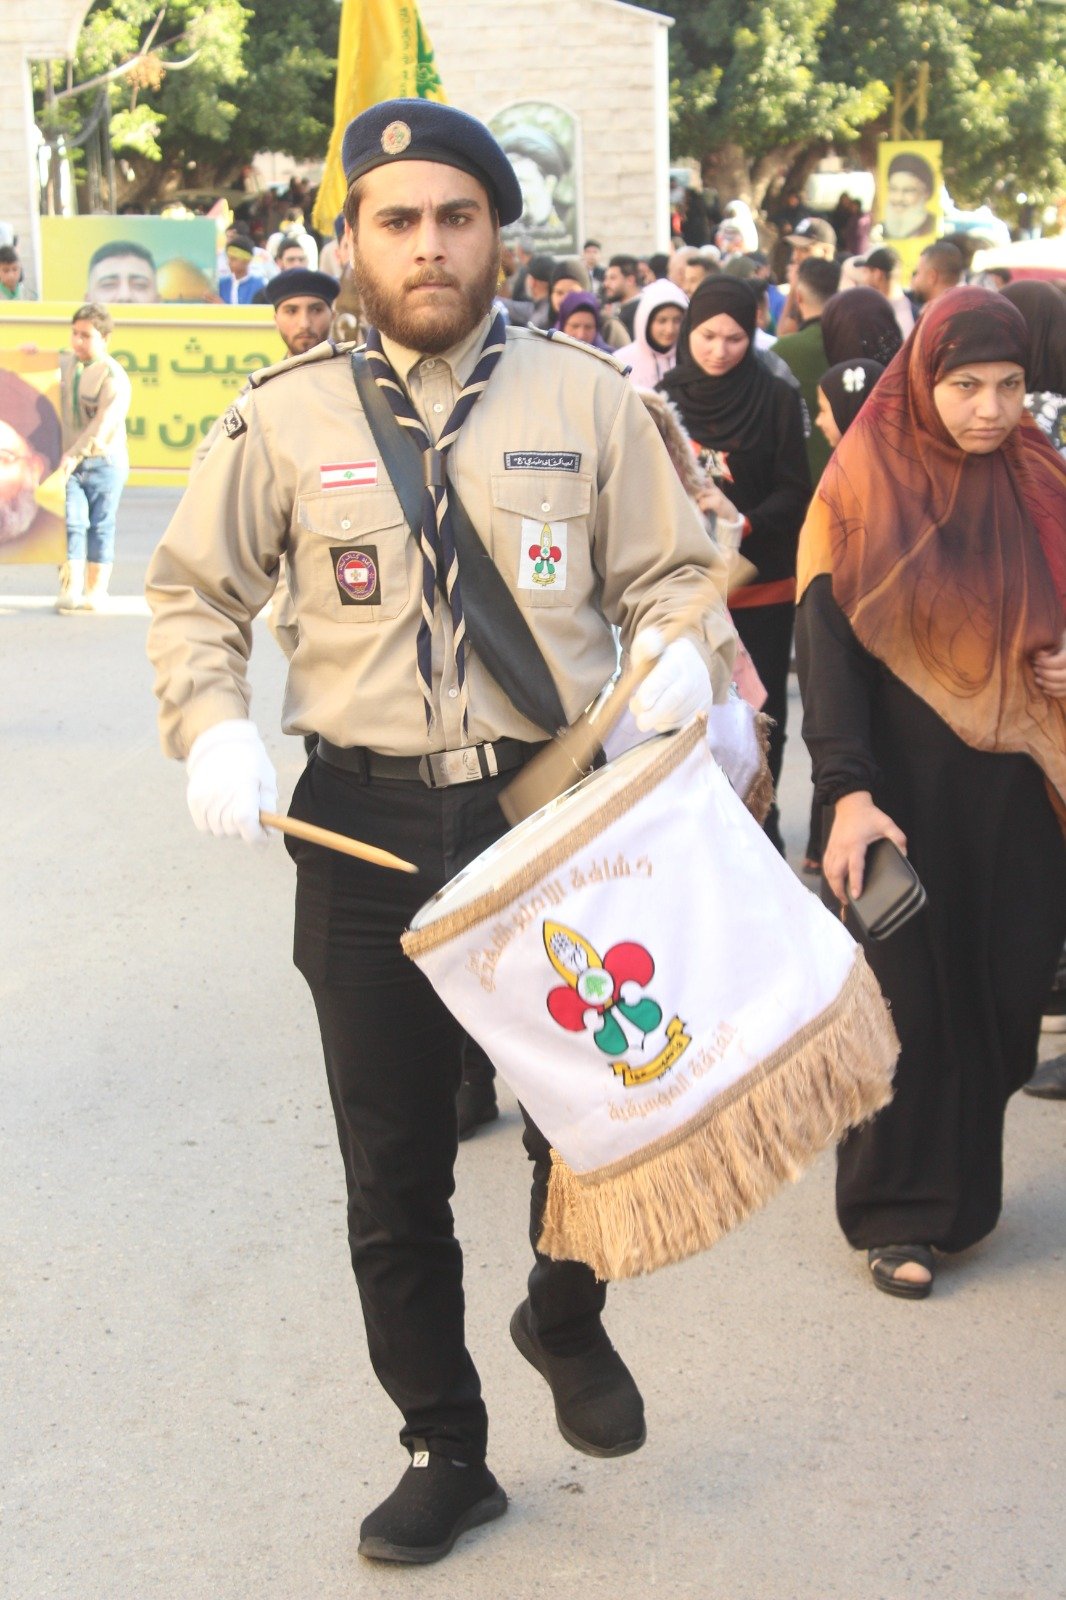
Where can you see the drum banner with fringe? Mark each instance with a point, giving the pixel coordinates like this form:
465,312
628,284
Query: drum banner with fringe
683,1019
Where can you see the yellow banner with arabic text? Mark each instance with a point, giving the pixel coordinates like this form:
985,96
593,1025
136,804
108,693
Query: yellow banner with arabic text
186,363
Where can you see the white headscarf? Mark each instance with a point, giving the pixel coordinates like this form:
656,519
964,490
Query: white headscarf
648,365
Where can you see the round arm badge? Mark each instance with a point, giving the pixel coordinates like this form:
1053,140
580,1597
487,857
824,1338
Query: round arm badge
356,574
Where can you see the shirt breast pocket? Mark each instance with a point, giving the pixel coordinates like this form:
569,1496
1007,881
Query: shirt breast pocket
540,535
350,556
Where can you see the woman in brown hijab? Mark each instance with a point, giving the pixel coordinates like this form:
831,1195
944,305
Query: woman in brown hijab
931,639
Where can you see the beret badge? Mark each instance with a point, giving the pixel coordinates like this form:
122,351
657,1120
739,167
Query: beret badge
396,138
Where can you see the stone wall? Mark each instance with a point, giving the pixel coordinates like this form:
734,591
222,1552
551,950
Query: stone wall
46,29
604,62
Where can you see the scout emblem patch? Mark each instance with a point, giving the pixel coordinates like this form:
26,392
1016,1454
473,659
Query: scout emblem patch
356,573
622,1018
542,562
396,138
349,475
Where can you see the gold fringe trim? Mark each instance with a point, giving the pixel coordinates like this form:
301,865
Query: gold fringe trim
760,797
417,941
681,1194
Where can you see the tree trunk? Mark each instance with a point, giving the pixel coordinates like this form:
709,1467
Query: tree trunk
726,170
776,164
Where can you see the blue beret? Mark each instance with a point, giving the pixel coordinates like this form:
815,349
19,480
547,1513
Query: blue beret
299,281
423,130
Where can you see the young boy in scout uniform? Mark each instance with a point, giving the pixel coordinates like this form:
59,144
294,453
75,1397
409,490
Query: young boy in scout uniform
416,736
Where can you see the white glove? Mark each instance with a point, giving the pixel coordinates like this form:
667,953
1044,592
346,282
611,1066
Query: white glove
675,689
231,779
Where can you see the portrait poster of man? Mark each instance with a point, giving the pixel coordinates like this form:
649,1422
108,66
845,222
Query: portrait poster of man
129,260
33,524
541,143
907,204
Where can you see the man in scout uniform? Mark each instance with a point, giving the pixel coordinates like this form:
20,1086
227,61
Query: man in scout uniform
424,705
303,307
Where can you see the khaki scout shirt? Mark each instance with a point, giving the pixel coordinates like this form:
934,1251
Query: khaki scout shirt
557,450
96,398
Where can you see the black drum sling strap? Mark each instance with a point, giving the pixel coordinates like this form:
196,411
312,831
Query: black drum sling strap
496,628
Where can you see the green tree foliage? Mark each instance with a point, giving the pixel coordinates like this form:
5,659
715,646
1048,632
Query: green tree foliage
761,87
196,87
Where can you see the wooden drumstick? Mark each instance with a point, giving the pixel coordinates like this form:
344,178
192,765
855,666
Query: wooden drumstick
570,756
335,841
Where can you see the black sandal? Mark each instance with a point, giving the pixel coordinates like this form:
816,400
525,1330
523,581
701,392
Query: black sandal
883,1260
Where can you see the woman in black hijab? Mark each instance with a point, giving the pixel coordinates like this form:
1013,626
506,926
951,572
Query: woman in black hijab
746,425
860,324
842,393
1044,308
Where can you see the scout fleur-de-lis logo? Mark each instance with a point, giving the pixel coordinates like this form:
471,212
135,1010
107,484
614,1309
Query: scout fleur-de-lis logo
396,138
602,994
544,557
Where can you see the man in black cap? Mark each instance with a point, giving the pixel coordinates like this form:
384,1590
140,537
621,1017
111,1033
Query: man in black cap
303,313
419,680
812,239
303,307
884,272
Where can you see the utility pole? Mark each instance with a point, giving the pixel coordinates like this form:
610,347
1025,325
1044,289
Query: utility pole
910,106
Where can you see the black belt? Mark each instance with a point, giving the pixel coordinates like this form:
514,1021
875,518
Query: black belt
438,770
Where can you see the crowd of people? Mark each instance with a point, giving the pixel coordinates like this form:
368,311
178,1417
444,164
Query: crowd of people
879,468
889,460
920,661
883,463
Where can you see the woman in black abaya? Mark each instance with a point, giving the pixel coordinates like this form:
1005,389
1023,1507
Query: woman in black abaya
746,425
931,639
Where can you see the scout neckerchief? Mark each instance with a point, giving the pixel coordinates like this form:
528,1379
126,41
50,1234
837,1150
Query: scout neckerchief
439,562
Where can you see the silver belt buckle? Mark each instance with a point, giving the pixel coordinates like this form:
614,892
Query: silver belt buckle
443,768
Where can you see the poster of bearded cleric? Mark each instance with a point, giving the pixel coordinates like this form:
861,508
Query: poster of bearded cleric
33,524
541,142
908,196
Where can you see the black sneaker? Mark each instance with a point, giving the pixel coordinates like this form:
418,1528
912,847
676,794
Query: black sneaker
434,1502
476,1104
1049,1081
597,1404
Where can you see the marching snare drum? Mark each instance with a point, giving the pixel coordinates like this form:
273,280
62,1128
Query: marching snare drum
680,1016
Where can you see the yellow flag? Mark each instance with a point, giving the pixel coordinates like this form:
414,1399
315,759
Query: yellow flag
384,53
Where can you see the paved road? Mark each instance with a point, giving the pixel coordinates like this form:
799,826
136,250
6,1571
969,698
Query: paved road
186,1409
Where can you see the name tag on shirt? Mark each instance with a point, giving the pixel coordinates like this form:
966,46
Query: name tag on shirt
542,561
542,460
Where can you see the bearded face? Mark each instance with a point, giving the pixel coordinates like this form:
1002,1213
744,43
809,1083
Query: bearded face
21,470
426,258
17,515
431,309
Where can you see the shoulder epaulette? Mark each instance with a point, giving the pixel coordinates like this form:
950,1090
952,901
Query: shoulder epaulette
576,344
319,352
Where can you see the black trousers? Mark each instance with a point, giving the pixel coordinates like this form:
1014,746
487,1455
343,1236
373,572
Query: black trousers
393,1060
766,633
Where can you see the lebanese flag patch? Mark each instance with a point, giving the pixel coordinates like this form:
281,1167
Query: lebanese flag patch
349,475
